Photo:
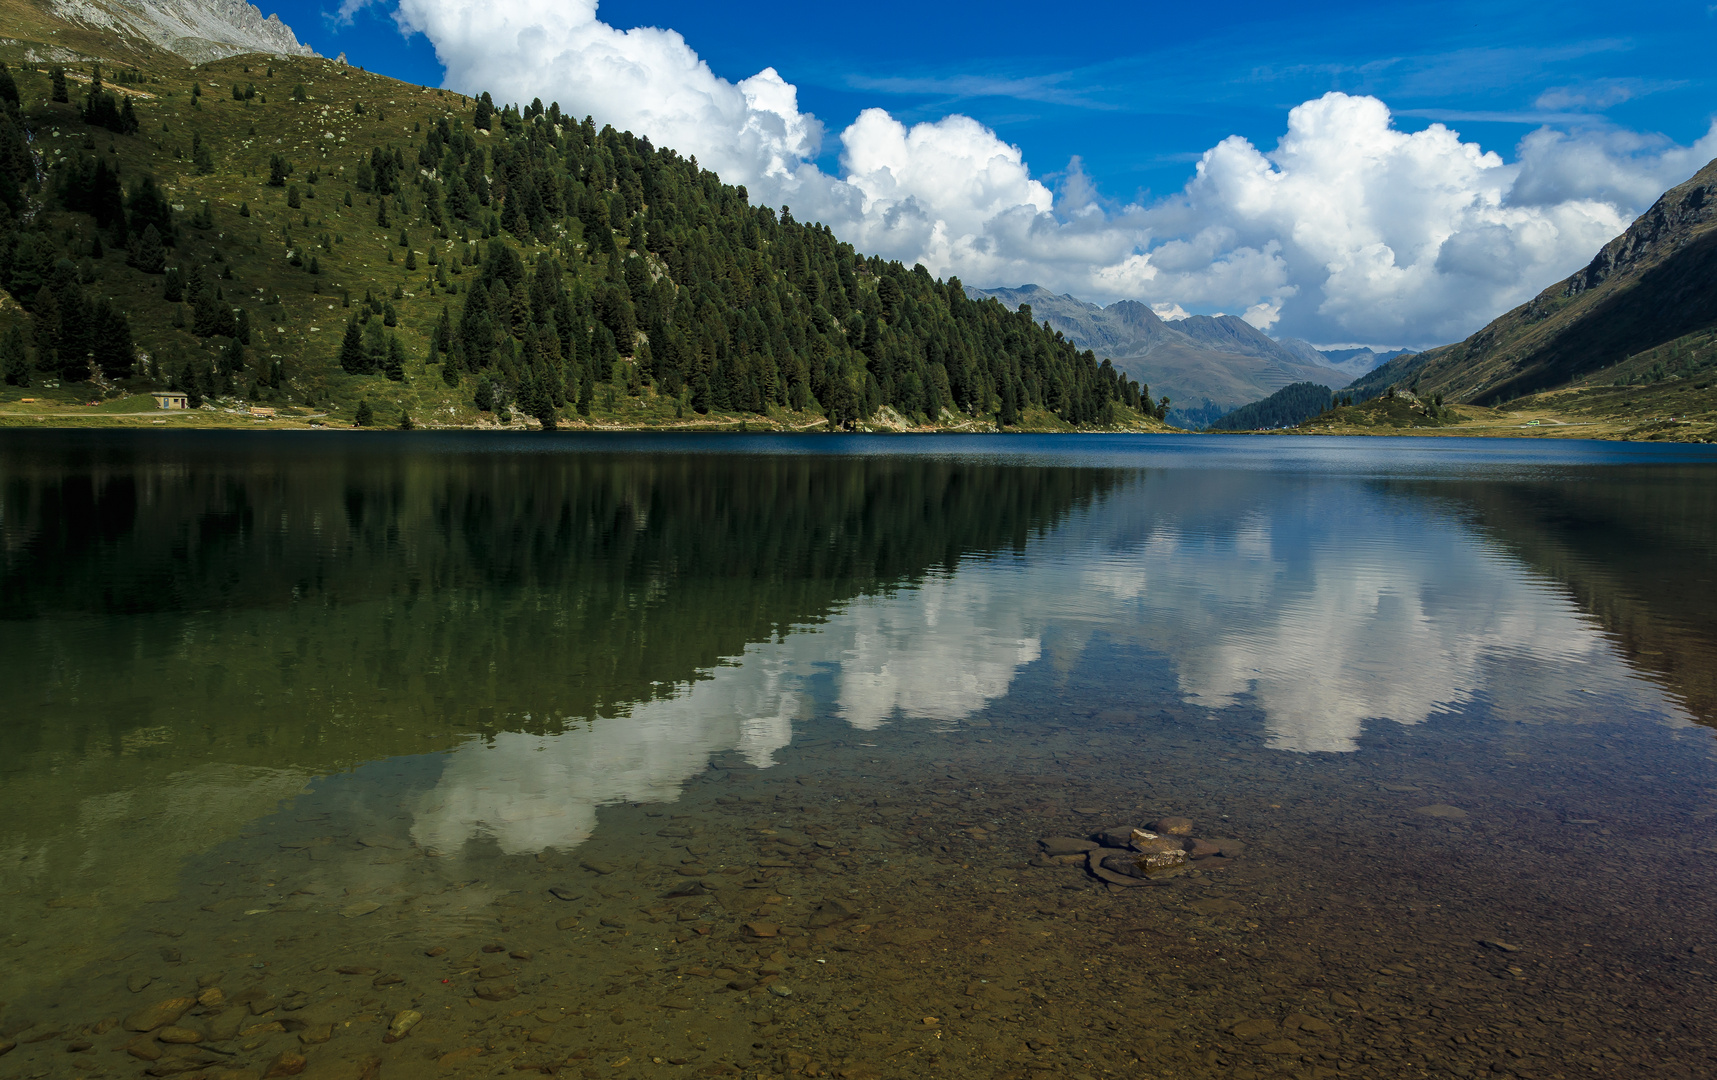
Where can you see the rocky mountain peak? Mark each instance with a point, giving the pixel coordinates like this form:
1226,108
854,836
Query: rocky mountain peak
198,30
1655,233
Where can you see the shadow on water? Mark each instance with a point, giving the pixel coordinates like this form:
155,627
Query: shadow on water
1635,549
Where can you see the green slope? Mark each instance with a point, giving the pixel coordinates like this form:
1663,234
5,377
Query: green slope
335,238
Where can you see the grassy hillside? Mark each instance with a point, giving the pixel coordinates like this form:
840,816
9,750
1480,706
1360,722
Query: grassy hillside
331,239
1392,413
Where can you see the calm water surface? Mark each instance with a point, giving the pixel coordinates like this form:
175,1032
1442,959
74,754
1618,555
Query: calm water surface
650,756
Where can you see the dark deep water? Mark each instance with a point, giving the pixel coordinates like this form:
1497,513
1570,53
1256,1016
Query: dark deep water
301,730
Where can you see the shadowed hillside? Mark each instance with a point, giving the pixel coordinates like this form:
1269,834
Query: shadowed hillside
1642,312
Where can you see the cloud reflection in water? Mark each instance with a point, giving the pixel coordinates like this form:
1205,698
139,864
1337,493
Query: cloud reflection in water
1326,610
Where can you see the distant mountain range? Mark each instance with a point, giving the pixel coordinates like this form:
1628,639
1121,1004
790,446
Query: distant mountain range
198,30
1650,295
1206,365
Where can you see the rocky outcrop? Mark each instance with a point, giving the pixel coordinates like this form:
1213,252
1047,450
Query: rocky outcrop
1669,223
198,30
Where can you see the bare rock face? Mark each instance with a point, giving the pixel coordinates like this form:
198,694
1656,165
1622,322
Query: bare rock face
198,30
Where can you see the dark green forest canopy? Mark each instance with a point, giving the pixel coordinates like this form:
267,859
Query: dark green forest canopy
1285,408
742,307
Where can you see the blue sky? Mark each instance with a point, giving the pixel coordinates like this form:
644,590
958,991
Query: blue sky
1138,92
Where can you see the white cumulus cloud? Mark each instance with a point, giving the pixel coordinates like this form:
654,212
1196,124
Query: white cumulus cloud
1348,229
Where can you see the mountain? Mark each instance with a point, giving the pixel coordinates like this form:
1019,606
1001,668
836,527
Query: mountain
1352,363
198,30
1640,312
288,237
1206,365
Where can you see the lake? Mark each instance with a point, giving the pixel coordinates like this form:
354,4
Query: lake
649,756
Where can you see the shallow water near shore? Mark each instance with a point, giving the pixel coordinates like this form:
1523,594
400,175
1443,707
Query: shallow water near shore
351,756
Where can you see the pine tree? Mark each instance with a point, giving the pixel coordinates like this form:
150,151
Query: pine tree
60,93
14,357
366,416
206,314
442,337
353,359
394,365
111,345
201,159
151,256
45,327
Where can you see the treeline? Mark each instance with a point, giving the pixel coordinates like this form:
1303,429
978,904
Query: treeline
659,275
1285,408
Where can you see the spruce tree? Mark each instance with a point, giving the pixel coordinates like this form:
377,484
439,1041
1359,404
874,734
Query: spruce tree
151,255
201,159
586,389
14,357
352,358
366,416
394,365
45,327
111,345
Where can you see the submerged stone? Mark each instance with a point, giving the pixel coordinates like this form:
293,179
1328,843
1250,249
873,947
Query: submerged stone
159,1014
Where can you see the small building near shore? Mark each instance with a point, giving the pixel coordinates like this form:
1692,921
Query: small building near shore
172,399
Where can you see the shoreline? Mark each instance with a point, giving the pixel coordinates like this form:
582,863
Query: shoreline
1522,425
